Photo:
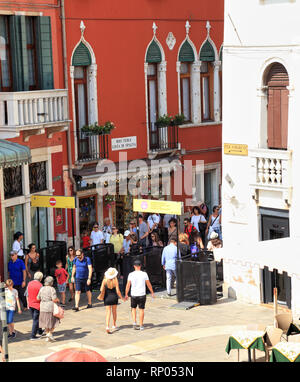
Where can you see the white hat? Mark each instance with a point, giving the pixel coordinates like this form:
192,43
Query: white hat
111,273
214,235
126,233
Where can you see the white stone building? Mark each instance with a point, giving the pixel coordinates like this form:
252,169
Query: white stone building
261,186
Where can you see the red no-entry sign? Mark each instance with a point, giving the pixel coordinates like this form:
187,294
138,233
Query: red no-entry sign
52,202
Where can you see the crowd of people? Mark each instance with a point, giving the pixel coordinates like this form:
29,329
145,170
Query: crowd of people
24,284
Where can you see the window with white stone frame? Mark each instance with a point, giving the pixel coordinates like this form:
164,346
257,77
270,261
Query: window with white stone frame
156,90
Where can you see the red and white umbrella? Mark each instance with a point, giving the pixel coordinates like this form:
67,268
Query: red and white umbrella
75,355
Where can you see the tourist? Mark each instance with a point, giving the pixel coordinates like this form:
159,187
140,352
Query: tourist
199,222
11,300
184,245
61,277
214,223
107,231
32,261
137,281
134,246
82,276
97,236
143,232
110,292
69,266
86,240
47,297
196,244
214,242
126,243
132,227
31,293
172,230
155,240
168,260
166,220
18,245
153,222
189,229
117,240
17,272
204,210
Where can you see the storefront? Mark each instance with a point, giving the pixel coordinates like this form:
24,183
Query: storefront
29,173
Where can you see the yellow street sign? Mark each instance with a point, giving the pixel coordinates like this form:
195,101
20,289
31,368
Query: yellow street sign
235,149
157,206
52,201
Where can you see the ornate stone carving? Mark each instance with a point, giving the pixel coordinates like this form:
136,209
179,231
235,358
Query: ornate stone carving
171,40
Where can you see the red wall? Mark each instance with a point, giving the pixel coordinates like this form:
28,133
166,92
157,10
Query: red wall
119,33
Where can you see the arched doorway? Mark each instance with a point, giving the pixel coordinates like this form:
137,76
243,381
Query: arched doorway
277,80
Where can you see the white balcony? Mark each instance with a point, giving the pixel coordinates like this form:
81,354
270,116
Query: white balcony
271,170
33,112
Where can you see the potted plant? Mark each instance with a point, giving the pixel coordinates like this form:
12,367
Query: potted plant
163,121
96,129
178,119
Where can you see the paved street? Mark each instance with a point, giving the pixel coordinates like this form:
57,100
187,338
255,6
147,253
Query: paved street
170,335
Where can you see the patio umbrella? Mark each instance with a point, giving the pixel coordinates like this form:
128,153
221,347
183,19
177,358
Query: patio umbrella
75,355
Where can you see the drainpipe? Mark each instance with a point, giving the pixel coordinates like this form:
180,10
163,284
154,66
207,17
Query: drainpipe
69,146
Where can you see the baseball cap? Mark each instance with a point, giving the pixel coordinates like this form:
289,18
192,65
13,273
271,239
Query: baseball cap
126,233
137,262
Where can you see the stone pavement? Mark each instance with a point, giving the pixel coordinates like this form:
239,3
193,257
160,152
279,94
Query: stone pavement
170,335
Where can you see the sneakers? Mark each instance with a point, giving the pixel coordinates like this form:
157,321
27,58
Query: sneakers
42,333
50,338
89,306
13,335
76,309
9,336
134,325
70,299
34,338
114,327
142,328
108,331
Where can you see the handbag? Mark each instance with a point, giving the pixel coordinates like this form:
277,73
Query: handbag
58,311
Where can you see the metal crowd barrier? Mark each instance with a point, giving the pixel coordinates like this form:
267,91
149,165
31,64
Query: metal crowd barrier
196,279
55,250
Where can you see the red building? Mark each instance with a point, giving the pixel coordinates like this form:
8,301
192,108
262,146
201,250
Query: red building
131,64
33,121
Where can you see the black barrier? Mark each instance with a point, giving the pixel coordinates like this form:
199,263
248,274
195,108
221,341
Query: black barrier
56,250
196,278
102,257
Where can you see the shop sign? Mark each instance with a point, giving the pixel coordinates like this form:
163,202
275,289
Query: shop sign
52,201
235,149
157,206
123,143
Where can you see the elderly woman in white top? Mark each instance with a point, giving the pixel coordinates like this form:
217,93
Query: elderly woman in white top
47,296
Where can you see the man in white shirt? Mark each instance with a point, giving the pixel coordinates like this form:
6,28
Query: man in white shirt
97,236
138,280
107,231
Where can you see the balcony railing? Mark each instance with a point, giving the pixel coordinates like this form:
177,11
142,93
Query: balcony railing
271,169
22,110
163,138
91,147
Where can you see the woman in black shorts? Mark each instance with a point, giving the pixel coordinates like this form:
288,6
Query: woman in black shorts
109,293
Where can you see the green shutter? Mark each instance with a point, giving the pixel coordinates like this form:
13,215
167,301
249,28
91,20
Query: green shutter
19,53
44,52
186,53
207,52
81,56
153,53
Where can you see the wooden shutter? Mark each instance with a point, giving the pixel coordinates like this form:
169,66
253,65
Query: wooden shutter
44,52
19,53
186,53
153,53
277,82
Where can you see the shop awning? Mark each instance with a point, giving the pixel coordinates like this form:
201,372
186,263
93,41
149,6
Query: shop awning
12,154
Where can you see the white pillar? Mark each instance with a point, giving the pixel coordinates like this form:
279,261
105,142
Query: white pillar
217,113
178,64
195,92
162,88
